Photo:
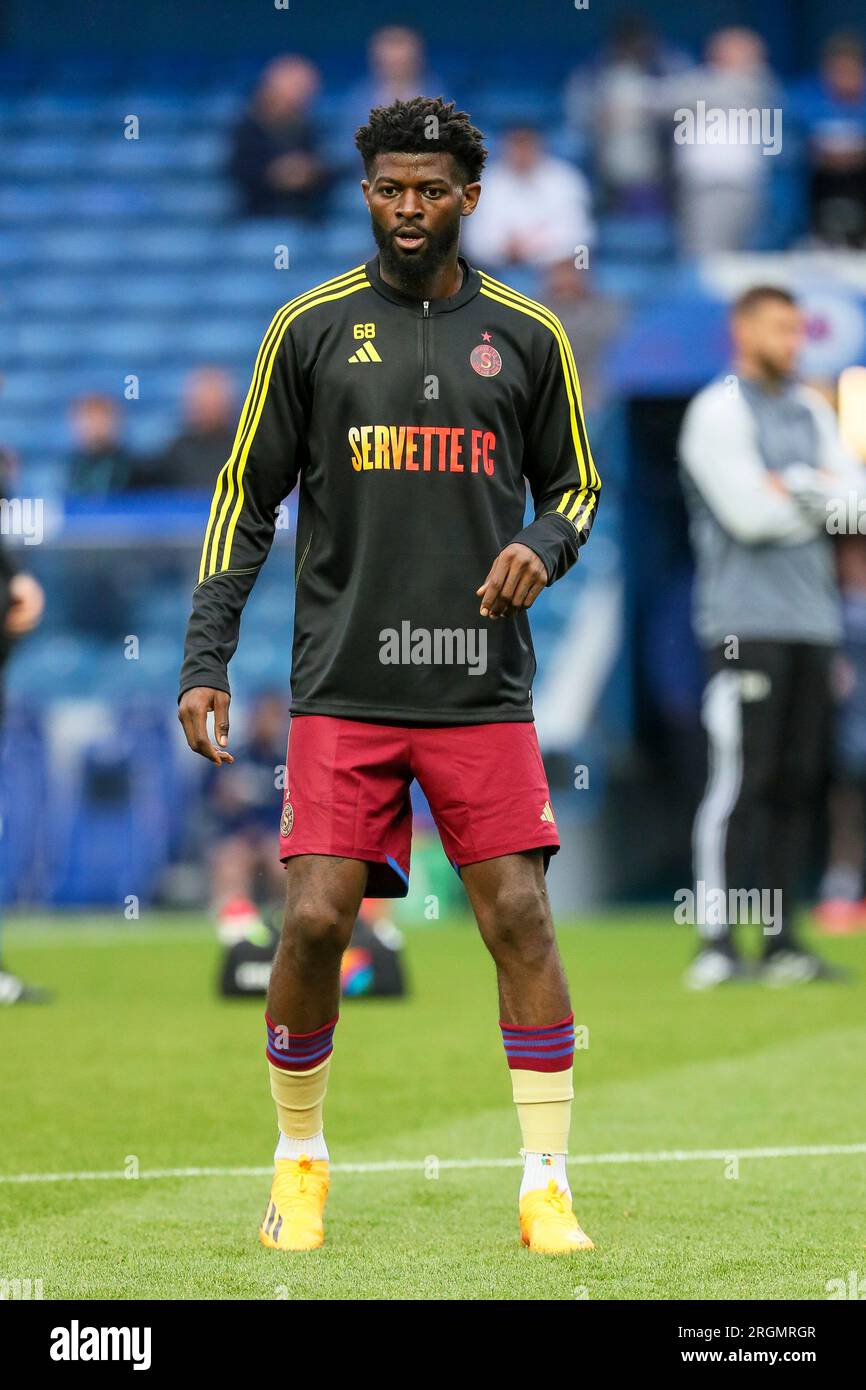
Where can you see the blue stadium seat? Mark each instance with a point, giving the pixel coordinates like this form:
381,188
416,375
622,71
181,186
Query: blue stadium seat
258,291
346,199
46,112
497,106
196,200
167,154
16,249
31,427
225,339
636,238
348,240
95,246
131,342
30,388
165,609
43,157
166,246
44,475
255,240
150,429
161,293
63,663
56,294
27,203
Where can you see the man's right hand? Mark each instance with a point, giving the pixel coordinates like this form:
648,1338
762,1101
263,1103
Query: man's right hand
195,705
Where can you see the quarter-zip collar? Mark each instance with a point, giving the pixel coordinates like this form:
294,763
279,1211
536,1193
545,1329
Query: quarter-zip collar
468,290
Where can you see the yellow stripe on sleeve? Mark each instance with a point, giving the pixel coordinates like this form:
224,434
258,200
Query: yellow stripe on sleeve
225,487
286,323
504,294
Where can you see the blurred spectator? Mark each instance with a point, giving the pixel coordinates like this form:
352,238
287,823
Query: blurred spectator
618,104
832,110
534,209
195,457
590,320
397,71
275,160
720,186
245,805
101,599
99,463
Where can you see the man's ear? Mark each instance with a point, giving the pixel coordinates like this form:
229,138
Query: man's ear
365,189
471,194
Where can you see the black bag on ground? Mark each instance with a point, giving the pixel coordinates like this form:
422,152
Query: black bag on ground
372,965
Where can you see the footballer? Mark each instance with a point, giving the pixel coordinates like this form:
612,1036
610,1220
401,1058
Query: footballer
411,398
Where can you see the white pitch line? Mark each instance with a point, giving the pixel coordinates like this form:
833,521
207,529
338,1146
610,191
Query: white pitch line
421,1165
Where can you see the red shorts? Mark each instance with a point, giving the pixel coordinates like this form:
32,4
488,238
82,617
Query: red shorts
348,786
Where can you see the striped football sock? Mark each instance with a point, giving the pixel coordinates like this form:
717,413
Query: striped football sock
299,1064
541,1063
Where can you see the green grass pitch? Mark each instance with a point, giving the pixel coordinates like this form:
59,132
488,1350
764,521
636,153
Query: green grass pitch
138,1062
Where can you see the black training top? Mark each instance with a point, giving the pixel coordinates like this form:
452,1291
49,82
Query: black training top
411,426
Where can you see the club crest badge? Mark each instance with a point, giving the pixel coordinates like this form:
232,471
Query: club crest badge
485,360
287,820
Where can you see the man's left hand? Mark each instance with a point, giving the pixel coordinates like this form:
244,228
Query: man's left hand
517,576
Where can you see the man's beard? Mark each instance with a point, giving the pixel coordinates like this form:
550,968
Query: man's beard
773,372
414,272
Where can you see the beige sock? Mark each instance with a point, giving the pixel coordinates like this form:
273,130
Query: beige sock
300,1098
543,1100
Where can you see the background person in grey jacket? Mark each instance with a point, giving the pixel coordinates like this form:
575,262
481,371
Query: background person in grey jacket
762,458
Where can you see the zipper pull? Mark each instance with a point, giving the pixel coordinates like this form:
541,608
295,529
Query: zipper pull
426,308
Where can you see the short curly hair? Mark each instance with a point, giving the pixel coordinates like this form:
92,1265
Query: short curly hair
419,126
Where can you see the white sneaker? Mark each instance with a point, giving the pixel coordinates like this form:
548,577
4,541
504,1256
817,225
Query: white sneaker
797,967
14,991
712,967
